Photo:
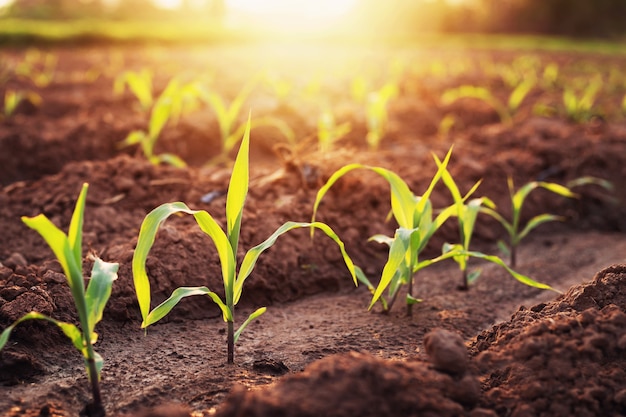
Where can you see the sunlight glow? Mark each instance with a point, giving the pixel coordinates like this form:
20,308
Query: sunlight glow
168,4
289,15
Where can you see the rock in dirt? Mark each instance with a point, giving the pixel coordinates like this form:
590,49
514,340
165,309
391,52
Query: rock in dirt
446,351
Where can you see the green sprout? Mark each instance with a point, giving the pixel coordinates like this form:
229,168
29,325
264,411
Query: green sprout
159,117
13,98
139,83
226,243
227,116
579,106
89,303
417,224
329,132
505,111
414,215
377,115
517,201
38,67
466,214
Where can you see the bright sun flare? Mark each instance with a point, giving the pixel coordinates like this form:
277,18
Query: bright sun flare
292,14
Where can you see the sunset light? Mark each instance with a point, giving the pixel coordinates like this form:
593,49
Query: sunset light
291,15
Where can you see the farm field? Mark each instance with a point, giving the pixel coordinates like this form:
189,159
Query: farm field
528,115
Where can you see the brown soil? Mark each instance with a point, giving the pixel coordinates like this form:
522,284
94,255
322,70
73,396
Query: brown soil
498,349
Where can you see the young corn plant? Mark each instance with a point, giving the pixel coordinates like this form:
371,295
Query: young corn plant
159,116
226,243
227,116
466,214
505,111
13,98
329,132
513,226
377,115
579,106
139,83
89,303
38,67
417,224
414,215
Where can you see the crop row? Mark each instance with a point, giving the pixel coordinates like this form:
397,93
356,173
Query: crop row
417,222
576,90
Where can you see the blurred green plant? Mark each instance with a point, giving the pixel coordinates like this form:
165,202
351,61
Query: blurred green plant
38,67
227,119
579,102
139,83
13,98
329,132
377,115
89,303
226,243
505,111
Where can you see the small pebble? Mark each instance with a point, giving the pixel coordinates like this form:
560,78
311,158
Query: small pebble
446,351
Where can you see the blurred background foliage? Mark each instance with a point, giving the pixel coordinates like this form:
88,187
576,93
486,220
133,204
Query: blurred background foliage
389,18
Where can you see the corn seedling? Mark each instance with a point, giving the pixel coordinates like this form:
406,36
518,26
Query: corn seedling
517,202
505,111
579,107
377,115
550,75
159,117
414,215
466,214
89,303
38,67
226,243
227,114
329,132
280,87
13,98
139,83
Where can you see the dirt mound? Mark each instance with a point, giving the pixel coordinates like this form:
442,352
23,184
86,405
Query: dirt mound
563,358
356,384
558,359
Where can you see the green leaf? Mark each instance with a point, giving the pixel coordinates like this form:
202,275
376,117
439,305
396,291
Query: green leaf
251,317
75,233
397,252
473,276
331,181
238,191
169,159
412,300
536,221
520,277
99,290
403,201
147,234
607,185
178,294
70,330
251,257
519,93
133,138
160,115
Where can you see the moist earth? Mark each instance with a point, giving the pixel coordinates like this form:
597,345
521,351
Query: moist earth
499,349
